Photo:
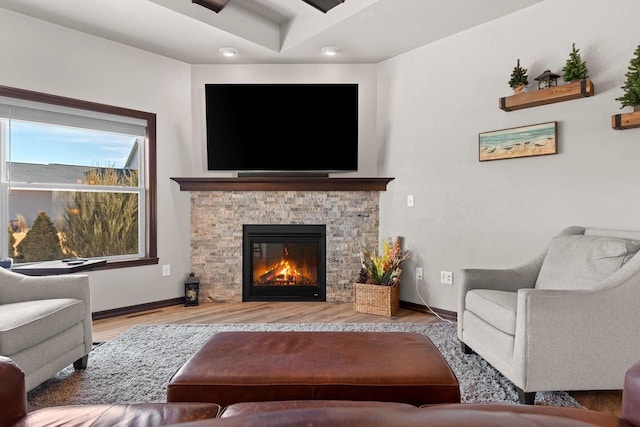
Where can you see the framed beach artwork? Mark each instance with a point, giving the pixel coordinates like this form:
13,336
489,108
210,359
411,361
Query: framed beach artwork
523,141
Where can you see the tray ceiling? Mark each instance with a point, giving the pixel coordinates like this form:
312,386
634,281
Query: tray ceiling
270,31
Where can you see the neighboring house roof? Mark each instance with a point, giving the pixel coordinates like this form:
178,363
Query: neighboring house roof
56,173
53,173
50,173
132,159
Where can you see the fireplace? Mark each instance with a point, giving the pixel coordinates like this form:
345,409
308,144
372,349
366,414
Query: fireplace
284,262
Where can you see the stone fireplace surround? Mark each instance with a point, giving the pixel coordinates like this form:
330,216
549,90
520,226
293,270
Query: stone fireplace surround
349,207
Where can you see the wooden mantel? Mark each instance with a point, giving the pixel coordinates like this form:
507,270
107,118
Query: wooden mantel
278,183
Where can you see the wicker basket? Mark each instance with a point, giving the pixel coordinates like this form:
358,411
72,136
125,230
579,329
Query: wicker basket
376,299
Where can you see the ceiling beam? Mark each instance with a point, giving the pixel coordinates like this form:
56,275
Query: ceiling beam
218,5
215,5
324,5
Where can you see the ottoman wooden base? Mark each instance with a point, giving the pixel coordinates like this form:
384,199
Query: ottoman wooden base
234,367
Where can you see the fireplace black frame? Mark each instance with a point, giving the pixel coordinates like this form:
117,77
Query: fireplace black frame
278,233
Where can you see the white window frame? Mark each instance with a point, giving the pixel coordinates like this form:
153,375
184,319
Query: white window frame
53,109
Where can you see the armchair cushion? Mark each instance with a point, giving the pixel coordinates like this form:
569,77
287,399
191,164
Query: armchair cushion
495,307
582,262
25,324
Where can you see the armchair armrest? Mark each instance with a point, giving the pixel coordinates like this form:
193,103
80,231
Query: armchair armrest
13,395
575,317
509,279
18,288
572,331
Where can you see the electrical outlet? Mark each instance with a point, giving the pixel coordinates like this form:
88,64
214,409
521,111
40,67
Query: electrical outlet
446,277
419,275
410,200
166,270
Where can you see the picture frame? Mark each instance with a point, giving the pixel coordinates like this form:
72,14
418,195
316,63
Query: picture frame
524,141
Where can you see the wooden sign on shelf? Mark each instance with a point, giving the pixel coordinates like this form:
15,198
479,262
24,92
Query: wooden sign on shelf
567,92
625,121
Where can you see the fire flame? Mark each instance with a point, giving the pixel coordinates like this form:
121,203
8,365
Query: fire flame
282,273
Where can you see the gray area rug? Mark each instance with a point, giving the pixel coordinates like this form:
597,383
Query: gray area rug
136,365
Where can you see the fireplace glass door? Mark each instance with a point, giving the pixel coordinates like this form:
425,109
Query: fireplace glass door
284,262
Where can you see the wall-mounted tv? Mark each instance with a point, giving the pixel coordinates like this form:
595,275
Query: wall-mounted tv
286,128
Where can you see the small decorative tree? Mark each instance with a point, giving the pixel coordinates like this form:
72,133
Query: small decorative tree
519,78
575,68
41,242
631,88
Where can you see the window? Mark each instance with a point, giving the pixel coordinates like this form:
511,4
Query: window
77,180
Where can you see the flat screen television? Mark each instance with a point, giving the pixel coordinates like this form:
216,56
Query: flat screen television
282,128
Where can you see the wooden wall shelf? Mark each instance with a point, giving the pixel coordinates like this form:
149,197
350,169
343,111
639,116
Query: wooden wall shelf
626,121
566,92
282,184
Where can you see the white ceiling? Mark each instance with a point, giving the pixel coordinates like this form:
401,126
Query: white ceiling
270,31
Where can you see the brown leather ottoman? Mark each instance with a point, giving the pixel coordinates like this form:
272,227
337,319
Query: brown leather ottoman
234,367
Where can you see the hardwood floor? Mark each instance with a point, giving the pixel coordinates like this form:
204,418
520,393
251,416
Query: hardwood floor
299,312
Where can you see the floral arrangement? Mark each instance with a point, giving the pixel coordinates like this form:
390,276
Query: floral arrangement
382,269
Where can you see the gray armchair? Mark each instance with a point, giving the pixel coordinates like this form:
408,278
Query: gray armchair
45,323
566,320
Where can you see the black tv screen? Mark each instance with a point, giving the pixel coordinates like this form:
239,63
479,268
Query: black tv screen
282,127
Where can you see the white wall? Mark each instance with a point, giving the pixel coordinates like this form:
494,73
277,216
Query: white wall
47,58
363,74
431,104
435,100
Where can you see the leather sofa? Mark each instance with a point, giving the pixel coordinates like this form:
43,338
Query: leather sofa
373,414
336,413
13,411
13,408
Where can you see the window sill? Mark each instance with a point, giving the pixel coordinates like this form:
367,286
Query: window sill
45,268
136,262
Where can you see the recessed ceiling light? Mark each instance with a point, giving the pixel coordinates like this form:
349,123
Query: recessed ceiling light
228,51
330,50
